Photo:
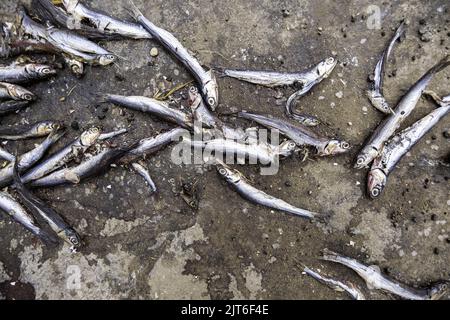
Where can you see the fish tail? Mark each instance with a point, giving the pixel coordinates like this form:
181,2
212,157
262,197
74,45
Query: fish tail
219,71
435,97
400,30
102,97
133,10
441,65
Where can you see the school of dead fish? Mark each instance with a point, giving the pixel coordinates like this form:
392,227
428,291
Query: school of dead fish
70,29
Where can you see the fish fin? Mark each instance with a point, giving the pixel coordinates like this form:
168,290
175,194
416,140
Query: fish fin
47,238
101,97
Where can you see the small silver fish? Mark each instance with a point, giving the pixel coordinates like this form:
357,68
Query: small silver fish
66,41
39,207
64,156
300,135
397,147
28,159
375,94
375,280
35,130
158,108
205,79
24,73
336,285
14,209
392,122
103,22
10,91
143,172
247,191
263,153
88,168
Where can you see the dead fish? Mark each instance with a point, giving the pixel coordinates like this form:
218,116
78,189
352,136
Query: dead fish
66,41
46,11
274,79
152,145
104,23
392,122
263,153
247,191
7,107
336,285
88,168
377,281
143,172
397,147
24,73
312,77
62,157
40,208
375,94
205,79
14,209
28,159
28,131
155,107
10,91
302,136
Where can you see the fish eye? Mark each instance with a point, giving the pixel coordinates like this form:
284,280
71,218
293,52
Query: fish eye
74,240
27,96
330,60
292,145
345,145
222,171
211,101
110,57
360,160
375,192
193,89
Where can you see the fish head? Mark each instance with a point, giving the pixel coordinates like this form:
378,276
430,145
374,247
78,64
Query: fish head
230,175
106,59
194,97
211,92
365,157
71,237
89,136
76,67
287,147
334,147
46,127
310,121
378,101
438,290
325,67
41,70
376,182
22,93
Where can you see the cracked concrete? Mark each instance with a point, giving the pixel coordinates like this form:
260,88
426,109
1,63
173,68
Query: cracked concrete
143,246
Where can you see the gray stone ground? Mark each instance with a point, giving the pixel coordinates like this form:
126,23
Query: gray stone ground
155,247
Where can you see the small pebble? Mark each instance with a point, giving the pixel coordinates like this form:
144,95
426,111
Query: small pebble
339,95
154,52
436,251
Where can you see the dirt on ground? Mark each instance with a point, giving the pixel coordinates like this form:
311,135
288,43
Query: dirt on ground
142,246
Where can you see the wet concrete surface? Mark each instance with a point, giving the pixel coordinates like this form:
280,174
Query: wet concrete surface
141,246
